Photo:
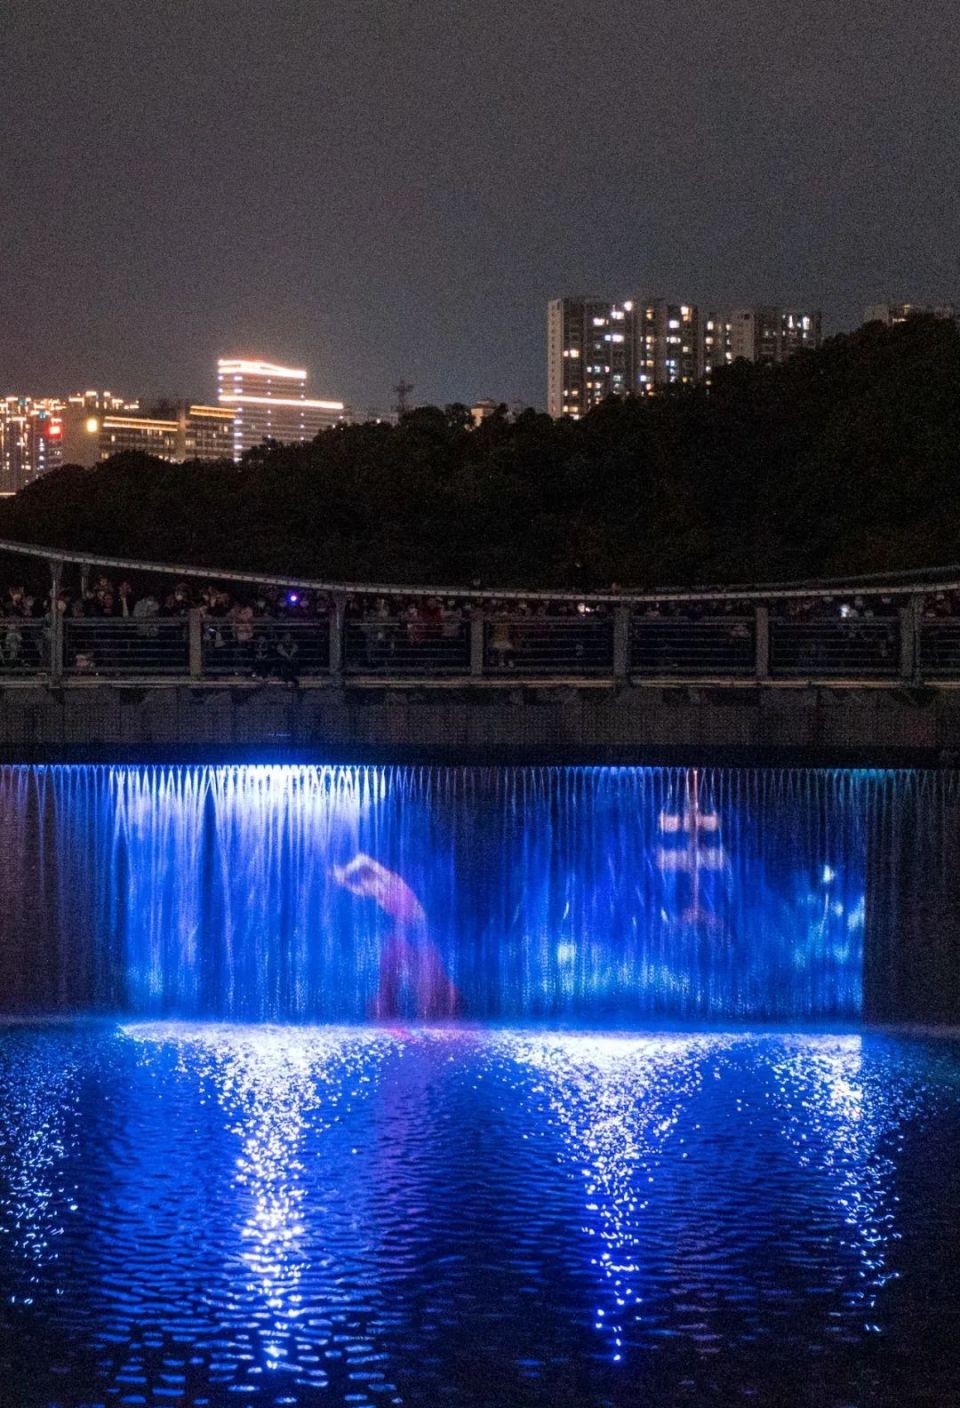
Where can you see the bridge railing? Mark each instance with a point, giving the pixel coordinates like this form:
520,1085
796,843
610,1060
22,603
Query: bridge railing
938,648
868,630
260,647
24,647
405,646
158,646
622,643
547,645
725,645
835,648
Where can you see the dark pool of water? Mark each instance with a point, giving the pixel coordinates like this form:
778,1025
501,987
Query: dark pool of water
249,1215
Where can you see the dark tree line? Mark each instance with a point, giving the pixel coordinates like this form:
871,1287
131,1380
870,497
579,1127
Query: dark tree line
843,460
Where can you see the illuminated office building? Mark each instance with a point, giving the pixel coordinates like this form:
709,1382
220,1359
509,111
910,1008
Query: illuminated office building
269,402
98,403
90,436
31,439
206,432
197,432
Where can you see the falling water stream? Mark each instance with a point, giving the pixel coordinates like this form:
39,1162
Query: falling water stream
300,893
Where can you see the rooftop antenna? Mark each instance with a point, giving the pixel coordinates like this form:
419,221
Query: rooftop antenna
402,391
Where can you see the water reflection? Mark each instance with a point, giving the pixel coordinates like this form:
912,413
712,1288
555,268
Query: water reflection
842,1116
206,1214
299,1300
618,1101
39,1081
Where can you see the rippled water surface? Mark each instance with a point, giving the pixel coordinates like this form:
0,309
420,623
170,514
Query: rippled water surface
252,1215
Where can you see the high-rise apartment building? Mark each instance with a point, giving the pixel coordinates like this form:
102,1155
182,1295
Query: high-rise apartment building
667,339
589,353
31,440
596,348
717,342
269,402
889,313
771,335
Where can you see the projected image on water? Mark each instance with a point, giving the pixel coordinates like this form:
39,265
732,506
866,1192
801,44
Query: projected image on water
349,893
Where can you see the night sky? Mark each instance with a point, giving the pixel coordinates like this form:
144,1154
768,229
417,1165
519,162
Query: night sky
376,189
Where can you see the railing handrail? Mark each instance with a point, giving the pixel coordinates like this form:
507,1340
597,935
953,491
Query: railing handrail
830,587
852,649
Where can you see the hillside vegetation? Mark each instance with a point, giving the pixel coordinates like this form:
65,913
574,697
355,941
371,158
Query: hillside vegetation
843,460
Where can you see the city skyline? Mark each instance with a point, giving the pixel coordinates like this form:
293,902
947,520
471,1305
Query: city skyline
887,311
383,193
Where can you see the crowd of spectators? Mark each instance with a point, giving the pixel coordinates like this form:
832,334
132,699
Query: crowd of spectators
273,633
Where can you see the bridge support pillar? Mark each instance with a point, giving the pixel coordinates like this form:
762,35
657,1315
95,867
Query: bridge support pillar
337,617
195,643
56,623
910,638
476,641
621,642
762,643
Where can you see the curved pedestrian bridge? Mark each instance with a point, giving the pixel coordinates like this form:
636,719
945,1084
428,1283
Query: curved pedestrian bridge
118,652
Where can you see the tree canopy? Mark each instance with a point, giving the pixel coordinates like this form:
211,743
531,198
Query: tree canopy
843,460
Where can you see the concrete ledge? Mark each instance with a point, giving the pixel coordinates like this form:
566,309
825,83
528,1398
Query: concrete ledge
526,721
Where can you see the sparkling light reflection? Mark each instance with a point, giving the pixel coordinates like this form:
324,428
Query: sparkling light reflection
190,1211
618,1101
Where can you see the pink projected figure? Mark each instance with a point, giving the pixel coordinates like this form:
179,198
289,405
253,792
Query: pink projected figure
409,963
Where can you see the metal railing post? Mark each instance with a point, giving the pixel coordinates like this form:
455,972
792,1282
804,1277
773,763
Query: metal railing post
336,637
762,643
622,620
476,640
910,658
56,623
195,642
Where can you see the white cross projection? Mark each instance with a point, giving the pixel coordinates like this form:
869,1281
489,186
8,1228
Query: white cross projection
703,850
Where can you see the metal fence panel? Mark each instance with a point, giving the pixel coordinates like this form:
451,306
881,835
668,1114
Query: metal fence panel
544,645
156,645
24,646
939,646
265,647
674,646
391,646
835,648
